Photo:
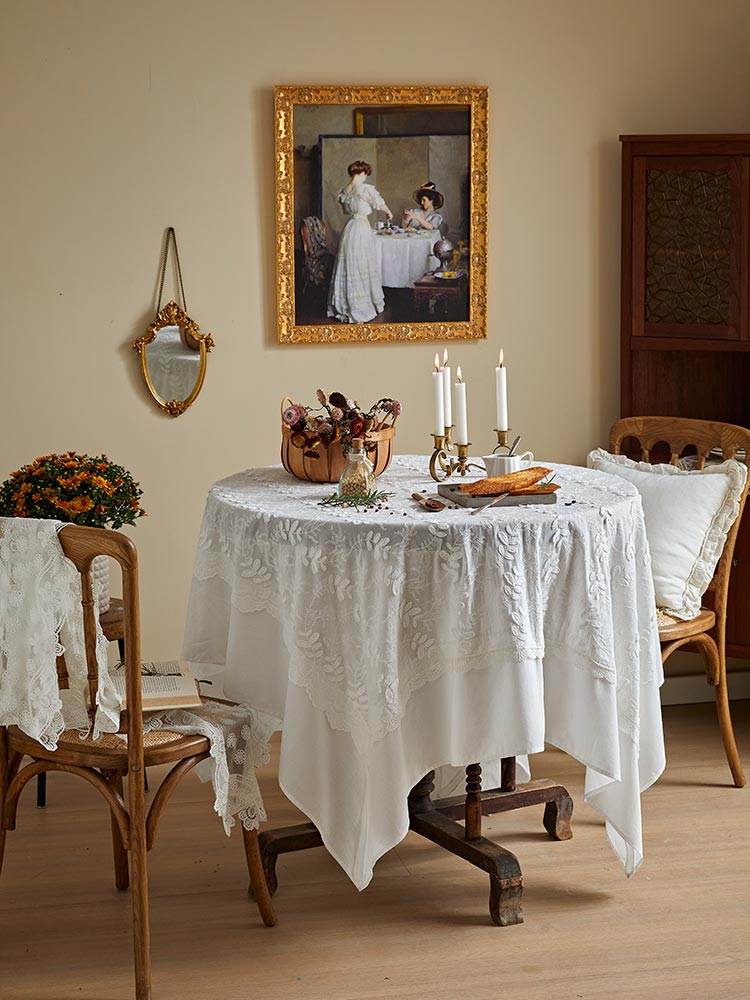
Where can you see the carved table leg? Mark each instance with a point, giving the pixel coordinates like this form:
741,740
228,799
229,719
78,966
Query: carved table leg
272,843
436,822
557,814
506,902
473,807
506,879
558,804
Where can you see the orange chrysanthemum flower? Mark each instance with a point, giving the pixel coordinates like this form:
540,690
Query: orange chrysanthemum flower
78,505
72,487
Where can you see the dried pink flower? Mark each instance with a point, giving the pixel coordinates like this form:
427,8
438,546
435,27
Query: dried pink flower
292,414
337,414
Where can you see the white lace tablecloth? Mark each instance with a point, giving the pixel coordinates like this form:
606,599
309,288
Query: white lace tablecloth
389,642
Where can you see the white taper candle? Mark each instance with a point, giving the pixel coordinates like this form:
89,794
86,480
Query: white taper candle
501,395
437,398
461,435
447,397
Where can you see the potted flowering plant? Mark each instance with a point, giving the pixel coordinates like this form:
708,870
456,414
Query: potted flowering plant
74,488
316,440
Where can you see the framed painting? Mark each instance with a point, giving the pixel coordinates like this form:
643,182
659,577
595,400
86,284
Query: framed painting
381,209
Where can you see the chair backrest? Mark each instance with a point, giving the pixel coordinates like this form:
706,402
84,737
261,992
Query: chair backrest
81,545
678,436
317,254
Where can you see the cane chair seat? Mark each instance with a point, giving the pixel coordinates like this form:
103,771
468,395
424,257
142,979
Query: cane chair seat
110,751
671,628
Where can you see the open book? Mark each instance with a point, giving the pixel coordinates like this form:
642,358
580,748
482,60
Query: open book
167,684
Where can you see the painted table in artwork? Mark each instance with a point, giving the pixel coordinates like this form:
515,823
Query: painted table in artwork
404,257
437,295
391,642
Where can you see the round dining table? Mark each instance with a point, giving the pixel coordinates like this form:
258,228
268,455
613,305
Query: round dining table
392,641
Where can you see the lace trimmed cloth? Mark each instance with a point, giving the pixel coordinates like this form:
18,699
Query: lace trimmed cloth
389,621
41,618
239,743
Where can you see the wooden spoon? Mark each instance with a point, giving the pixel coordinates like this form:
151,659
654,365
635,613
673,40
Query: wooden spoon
427,502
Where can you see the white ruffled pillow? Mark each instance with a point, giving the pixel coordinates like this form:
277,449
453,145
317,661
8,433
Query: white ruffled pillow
688,516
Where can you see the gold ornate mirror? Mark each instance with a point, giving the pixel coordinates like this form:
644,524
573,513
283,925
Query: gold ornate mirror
173,355
173,351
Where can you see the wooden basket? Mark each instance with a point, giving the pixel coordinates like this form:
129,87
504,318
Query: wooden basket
329,466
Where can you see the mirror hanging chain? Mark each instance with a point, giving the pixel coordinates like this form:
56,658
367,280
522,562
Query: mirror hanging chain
171,238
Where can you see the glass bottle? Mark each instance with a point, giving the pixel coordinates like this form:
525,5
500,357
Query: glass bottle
358,477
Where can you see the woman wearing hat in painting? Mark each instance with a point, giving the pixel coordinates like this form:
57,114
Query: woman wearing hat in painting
426,216
356,293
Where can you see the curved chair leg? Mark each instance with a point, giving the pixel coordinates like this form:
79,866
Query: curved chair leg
139,887
41,790
727,732
122,877
141,935
3,788
717,668
257,877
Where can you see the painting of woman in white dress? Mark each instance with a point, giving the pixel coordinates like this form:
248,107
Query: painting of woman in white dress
356,292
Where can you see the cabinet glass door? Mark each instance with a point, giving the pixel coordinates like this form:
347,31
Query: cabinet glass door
690,221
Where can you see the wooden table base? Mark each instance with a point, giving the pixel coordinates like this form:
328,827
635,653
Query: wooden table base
437,822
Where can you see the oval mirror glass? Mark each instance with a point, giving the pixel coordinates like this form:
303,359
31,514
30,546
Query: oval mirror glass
173,359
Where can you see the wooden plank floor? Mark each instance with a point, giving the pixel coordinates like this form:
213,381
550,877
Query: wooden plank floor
421,931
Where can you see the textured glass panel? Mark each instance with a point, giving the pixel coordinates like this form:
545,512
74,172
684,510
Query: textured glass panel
687,246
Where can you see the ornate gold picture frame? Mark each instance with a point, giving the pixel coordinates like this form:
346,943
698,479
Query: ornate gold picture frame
381,207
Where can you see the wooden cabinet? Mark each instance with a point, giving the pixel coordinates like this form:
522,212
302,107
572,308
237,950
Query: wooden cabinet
686,297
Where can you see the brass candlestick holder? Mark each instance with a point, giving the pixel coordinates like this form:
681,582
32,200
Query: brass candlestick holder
444,462
502,441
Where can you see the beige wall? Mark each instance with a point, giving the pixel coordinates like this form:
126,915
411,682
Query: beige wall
119,119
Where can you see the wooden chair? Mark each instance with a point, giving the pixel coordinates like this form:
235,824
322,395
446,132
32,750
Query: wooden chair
318,260
707,632
104,763
113,627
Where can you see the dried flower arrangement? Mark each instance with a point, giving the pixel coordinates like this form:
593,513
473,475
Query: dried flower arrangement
73,488
337,418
